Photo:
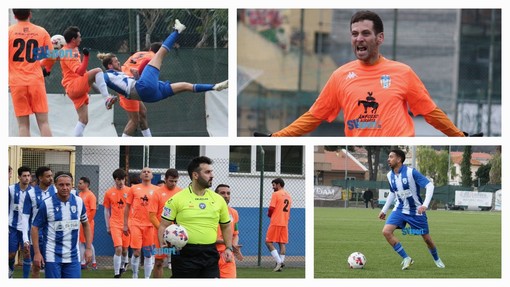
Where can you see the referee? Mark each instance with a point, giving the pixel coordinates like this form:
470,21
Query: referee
199,210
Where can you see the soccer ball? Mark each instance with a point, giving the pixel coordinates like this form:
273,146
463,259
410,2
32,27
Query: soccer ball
357,260
58,41
176,235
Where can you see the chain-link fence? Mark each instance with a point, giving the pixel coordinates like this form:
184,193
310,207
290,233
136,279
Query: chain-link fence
249,198
199,56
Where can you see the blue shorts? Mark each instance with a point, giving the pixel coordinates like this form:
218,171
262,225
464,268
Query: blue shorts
15,239
62,270
150,89
418,223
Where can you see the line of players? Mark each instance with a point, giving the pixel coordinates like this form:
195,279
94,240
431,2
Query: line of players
128,215
27,43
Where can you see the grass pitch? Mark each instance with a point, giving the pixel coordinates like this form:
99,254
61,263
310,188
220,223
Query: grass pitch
469,243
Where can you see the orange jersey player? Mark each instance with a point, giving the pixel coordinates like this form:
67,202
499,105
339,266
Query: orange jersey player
278,231
228,269
140,227
27,42
161,196
114,203
77,81
374,93
90,202
136,110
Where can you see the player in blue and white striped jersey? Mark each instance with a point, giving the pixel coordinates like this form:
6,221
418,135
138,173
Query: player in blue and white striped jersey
33,200
60,217
17,193
405,183
146,86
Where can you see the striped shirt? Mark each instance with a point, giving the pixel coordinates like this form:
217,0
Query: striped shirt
405,185
33,200
120,83
60,222
16,199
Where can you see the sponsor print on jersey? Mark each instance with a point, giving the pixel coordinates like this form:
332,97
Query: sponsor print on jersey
368,119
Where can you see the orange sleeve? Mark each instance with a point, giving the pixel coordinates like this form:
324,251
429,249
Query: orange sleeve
303,125
438,119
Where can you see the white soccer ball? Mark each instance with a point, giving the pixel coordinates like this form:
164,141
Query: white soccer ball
176,235
58,41
357,260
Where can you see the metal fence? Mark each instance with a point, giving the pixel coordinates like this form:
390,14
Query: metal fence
98,162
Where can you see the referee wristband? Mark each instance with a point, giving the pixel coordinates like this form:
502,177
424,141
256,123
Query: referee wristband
230,248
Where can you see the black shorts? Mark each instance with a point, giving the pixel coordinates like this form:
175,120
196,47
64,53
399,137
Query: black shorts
196,261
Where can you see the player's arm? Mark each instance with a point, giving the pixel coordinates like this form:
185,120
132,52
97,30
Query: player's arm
88,240
47,64
83,66
107,215
305,124
226,230
154,219
439,120
161,231
127,208
389,200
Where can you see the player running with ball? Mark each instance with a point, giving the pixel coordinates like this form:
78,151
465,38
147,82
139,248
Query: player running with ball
405,183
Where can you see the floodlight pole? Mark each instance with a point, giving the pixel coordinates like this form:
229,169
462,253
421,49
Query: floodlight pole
261,200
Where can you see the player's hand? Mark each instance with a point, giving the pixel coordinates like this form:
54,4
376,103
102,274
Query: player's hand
473,135
86,52
257,134
382,215
125,230
26,246
422,209
38,260
88,255
229,255
45,72
237,252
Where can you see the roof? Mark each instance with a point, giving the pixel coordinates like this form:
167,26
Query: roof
339,161
477,158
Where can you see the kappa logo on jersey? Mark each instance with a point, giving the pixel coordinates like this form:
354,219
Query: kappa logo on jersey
351,75
369,119
385,81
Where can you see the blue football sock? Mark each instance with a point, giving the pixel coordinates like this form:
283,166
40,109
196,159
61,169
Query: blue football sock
11,264
170,41
198,88
433,252
26,267
400,250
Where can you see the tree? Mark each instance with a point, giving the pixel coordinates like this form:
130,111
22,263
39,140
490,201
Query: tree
482,174
433,164
212,22
465,167
495,172
150,18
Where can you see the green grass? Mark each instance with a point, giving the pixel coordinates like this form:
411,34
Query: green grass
242,272
469,243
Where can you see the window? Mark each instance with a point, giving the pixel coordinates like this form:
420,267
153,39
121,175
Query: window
131,157
292,159
240,159
159,157
277,159
184,154
269,159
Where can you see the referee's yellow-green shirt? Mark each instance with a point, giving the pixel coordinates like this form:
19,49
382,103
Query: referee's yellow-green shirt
200,215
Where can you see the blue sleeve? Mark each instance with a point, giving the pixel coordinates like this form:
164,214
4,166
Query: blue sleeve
420,179
9,202
83,215
27,204
40,219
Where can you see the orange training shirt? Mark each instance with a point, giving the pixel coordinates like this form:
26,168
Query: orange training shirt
115,200
282,202
375,99
26,40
